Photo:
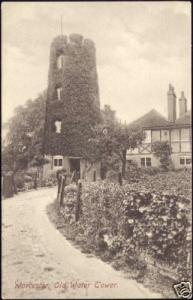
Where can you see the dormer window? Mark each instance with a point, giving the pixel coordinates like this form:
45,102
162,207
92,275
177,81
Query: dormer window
58,125
60,61
59,93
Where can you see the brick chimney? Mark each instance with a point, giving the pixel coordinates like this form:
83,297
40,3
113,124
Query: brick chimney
182,105
171,104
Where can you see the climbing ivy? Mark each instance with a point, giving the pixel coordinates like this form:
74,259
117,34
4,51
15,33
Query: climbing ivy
79,108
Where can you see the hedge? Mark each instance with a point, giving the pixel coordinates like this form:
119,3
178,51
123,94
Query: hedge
135,224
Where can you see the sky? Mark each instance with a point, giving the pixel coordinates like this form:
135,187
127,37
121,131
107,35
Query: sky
141,47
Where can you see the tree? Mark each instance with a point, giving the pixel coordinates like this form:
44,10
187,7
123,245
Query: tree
162,150
122,138
24,140
111,140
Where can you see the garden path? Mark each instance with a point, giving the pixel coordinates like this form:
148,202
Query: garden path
34,252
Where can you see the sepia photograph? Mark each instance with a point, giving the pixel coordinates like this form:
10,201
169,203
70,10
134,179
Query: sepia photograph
96,130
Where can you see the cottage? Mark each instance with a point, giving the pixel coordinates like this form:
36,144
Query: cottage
177,131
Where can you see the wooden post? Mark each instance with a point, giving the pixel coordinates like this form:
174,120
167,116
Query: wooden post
78,201
120,179
62,190
14,185
59,184
94,175
35,181
72,177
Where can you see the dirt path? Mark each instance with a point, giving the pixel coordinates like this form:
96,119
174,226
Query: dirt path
35,253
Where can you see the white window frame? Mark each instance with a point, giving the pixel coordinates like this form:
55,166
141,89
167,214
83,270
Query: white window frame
185,158
57,159
145,159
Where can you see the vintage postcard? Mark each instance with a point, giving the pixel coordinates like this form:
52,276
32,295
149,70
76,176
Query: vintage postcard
96,150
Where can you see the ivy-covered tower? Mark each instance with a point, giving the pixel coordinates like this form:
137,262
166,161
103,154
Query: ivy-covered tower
73,106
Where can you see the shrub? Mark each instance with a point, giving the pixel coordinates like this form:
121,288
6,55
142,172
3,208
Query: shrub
162,150
112,176
133,222
19,182
152,170
133,172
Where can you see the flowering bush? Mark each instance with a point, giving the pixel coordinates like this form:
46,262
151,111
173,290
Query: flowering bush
133,223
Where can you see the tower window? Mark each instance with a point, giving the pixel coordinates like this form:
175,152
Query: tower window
58,161
59,93
58,125
60,61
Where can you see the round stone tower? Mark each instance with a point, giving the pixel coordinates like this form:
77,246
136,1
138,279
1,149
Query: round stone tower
73,106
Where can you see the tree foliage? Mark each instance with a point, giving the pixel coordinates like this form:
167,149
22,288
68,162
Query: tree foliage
24,141
111,140
162,150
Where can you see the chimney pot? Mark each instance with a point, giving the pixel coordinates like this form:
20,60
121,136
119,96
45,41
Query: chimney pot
171,104
182,104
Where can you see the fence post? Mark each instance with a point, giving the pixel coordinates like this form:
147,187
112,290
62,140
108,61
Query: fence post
62,189
78,201
94,175
72,177
59,183
120,179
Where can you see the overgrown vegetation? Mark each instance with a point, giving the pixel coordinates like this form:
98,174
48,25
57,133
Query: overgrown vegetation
23,146
162,150
132,227
110,142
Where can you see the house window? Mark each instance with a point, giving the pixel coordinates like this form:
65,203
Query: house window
146,161
185,160
59,93
60,61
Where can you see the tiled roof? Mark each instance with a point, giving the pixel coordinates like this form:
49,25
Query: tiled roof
151,119
154,119
185,119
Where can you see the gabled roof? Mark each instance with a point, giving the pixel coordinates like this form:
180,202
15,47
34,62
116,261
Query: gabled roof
185,119
151,119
